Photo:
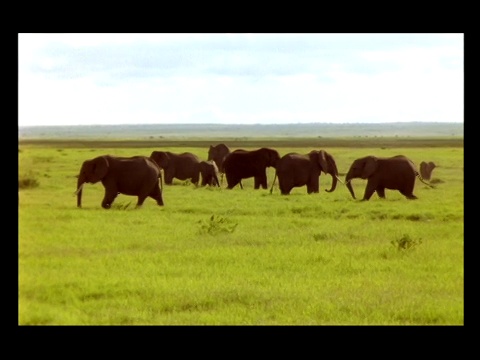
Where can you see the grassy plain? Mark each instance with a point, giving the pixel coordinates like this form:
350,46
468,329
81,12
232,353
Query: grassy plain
213,256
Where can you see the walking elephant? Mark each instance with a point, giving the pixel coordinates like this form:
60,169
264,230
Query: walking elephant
209,170
137,176
182,166
243,164
296,170
426,169
394,173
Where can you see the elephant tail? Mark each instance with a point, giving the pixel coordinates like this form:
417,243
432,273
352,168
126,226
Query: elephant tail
273,183
417,174
78,193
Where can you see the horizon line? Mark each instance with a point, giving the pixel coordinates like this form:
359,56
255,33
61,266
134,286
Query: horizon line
255,124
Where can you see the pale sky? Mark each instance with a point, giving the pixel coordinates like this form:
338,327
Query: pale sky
85,79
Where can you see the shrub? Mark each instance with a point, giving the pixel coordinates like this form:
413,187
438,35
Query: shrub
28,181
405,243
121,206
217,224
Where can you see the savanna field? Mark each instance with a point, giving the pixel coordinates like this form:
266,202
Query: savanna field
213,256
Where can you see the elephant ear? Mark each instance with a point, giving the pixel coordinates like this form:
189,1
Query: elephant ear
99,169
322,160
369,167
161,158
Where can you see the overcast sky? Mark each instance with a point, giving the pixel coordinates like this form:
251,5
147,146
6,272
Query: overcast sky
83,79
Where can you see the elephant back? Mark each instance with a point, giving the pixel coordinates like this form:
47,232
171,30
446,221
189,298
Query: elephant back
259,158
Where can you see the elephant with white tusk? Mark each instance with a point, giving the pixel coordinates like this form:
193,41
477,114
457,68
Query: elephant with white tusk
137,176
296,170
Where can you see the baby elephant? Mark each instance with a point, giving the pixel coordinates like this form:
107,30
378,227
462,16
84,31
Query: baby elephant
209,171
426,169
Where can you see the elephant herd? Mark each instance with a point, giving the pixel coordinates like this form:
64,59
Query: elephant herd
141,176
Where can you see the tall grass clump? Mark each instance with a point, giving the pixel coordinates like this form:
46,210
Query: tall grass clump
28,180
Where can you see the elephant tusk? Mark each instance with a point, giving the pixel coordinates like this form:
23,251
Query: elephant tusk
79,189
339,180
346,182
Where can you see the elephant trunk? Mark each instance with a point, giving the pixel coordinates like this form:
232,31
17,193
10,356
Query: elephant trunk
334,183
348,182
334,172
273,183
80,184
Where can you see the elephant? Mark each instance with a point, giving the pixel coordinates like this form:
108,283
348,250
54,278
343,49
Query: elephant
137,176
296,170
426,169
209,171
243,164
217,153
180,166
395,173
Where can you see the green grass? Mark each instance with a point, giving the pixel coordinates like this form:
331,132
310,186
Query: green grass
214,256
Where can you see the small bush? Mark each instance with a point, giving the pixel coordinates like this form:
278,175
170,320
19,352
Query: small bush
320,237
28,181
405,243
121,206
216,225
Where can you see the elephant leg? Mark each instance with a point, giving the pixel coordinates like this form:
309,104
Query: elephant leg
284,186
256,183
312,188
407,190
263,184
156,194
195,179
408,195
381,192
210,181
315,184
140,200
260,181
110,195
369,190
168,177
232,181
